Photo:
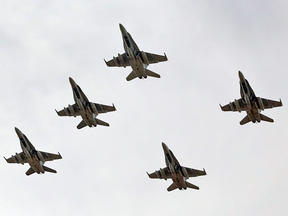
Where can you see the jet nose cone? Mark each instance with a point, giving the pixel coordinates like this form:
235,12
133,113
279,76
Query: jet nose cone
164,146
72,82
122,29
19,133
241,76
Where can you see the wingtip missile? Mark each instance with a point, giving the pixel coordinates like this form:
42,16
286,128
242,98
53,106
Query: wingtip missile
204,171
221,107
60,155
57,112
165,56
105,62
148,174
114,107
5,159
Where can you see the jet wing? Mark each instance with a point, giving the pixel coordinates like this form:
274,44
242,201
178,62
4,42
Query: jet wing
194,172
18,158
268,104
120,61
161,174
237,105
68,111
104,108
50,156
154,58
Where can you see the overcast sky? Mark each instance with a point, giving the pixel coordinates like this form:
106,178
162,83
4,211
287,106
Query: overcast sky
103,170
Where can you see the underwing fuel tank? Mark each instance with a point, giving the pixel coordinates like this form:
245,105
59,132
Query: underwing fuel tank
27,154
80,105
185,173
94,109
145,59
247,101
172,170
130,54
19,158
41,157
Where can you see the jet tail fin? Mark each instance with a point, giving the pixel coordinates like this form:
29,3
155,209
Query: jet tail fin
152,74
172,187
47,169
131,76
81,124
245,120
189,185
30,171
100,122
265,118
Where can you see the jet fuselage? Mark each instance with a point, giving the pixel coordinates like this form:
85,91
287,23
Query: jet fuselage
33,156
249,98
175,168
87,109
134,54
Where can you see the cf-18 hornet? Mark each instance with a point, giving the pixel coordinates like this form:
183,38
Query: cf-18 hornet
35,158
138,60
82,107
250,103
179,174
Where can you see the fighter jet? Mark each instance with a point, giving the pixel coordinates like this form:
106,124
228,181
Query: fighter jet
87,110
250,103
176,172
138,60
35,158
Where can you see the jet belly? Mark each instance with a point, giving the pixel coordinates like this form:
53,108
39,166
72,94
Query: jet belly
89,117
139,67
180,181
254,115
36,165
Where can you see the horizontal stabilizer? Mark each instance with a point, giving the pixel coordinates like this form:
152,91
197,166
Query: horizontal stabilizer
47,169
152,74
265,118
172,187
189,185
245,120
30,171
100,122
81,124
131,76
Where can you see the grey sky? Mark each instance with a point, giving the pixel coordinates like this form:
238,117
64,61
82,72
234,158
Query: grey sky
103,169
